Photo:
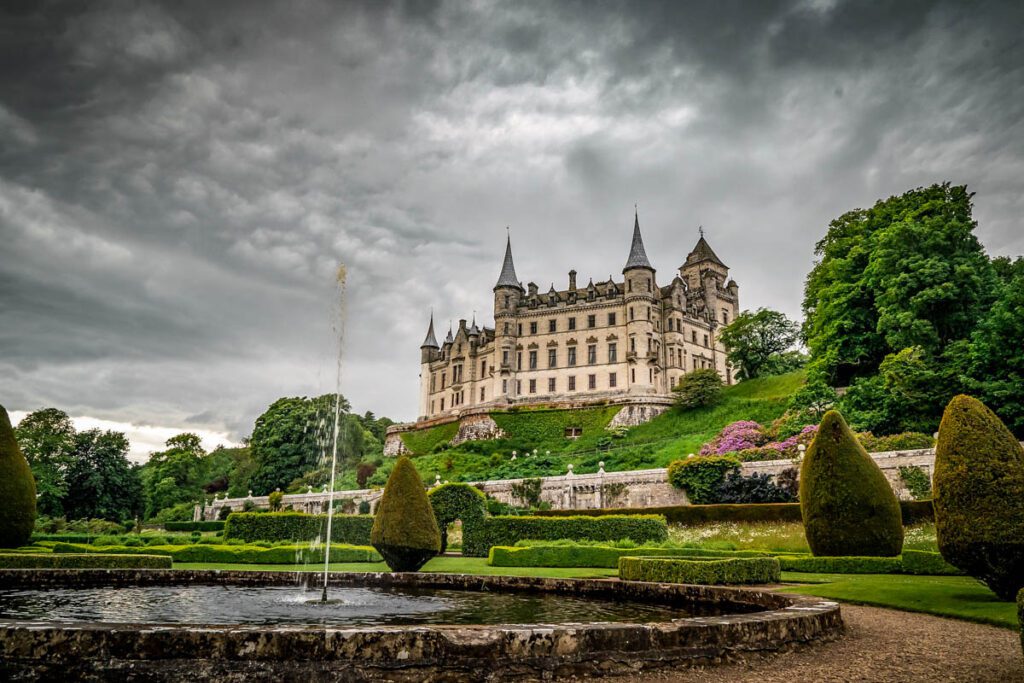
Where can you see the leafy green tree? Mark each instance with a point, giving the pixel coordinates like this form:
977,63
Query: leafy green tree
47,440
755,341
697,389
176,475
102,484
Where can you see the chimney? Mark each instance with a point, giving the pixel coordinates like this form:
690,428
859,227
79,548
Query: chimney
572,280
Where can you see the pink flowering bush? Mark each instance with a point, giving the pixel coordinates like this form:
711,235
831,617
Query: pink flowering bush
747,440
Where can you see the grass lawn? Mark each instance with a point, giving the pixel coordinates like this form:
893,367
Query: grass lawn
959,597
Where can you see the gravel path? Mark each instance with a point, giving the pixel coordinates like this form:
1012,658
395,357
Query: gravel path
880,646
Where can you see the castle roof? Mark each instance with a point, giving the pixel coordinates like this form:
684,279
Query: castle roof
473,329
508,278
449,339
431,340
703,252
637,254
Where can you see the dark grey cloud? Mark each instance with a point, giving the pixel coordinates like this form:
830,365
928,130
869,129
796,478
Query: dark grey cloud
180,180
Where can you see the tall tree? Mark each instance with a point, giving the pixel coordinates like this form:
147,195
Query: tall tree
175,475
996,360
755,341
47,439
101,482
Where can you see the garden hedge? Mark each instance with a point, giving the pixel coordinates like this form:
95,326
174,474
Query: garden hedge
912,512
602,556
404,529
84,561
17,489
233,554
840,565
979,496
297,526
63,538
217,525
700,571
927,563
452,502
507,531
847,504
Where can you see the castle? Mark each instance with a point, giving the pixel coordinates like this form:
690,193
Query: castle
610,342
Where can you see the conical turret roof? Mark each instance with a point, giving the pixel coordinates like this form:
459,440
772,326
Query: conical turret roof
449,339
637,253
703,252
431,340
508,277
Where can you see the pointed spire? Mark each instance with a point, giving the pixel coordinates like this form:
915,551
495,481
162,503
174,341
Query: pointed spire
508,276
637,254
450,338
431,340
473,329
703,252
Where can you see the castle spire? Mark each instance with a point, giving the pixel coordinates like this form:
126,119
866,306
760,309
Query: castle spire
508,278
431,340
449,339
637,253
703,252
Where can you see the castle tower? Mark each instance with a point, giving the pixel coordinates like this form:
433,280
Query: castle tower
429,351
704,271
642,309
507,295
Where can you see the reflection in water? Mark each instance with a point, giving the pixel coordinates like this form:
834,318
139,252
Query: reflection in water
348,606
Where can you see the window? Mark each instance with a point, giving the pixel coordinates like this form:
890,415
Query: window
519,386
572,384
533,386
551,385
725,316
694,335
591,321
504,357
520,328
648,284
508,328
612,380
483,367
629,285
632,376
508,300
631,316
533,327
431,407
444,376
572,355
591,354
504,386
705,340
482,389
648,312
611,319
442,405
572,323
519,360
552,325
632,344
433,382
592,381
650,376
613,353
552,357
533,360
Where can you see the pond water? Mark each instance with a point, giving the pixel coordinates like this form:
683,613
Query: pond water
349,606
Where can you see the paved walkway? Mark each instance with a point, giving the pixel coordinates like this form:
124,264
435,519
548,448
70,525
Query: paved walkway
880,646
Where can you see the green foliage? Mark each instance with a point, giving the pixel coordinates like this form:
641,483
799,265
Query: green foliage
47,440
101,481
274,501
757,488
904,441
847,504
701,476
917,482
508,530
83,561
17,489
541,429
235,554
756,341
452,502
404,529
1020,615
297,526
527,492
194,526
813,400
979,496
847,564
585,555
698,389
427,440
700,571
182,512
927,563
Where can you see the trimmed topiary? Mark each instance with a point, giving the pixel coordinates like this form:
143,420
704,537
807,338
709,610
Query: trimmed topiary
404,530
457,501
847,504
17,489
979,496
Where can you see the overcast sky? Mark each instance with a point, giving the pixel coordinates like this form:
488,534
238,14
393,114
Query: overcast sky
179,181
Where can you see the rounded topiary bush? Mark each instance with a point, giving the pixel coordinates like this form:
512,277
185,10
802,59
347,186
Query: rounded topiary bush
979,496
17,489
404,530
457,501
847,504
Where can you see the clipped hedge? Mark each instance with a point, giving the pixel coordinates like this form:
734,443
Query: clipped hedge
405,531
233,554
17,489
927,563
477,541
840,565
700,571
595,555
63,538
217,525
452,502
297,526
83,561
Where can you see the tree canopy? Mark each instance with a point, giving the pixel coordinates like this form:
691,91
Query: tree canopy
756,341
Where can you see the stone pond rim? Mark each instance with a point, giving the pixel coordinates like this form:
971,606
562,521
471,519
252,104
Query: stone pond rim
48,650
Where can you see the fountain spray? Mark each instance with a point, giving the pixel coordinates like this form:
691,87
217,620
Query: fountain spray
337,418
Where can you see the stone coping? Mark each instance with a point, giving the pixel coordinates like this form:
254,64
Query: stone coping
403,653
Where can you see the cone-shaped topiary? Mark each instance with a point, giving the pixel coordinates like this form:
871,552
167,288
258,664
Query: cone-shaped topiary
979,496
848,506
17,489
404,530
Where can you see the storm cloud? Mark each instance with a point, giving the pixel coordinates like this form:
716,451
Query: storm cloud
180,181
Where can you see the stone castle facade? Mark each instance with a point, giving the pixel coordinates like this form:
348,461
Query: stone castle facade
604,342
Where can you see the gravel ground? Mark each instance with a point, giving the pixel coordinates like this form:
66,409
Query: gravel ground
880,646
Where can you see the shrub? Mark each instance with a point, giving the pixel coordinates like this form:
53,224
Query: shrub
979,496
847,504
701,477
297,526
274,500
85,561
452,502
698,389
404,529
581,555
841,565
222,514
737,436
236,554
527,492
757,488
425,440
917,482
927,563
700,571
508,530
906,441
196,526
364,507
17,489
364,471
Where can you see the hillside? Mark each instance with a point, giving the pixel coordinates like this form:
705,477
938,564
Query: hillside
669,436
